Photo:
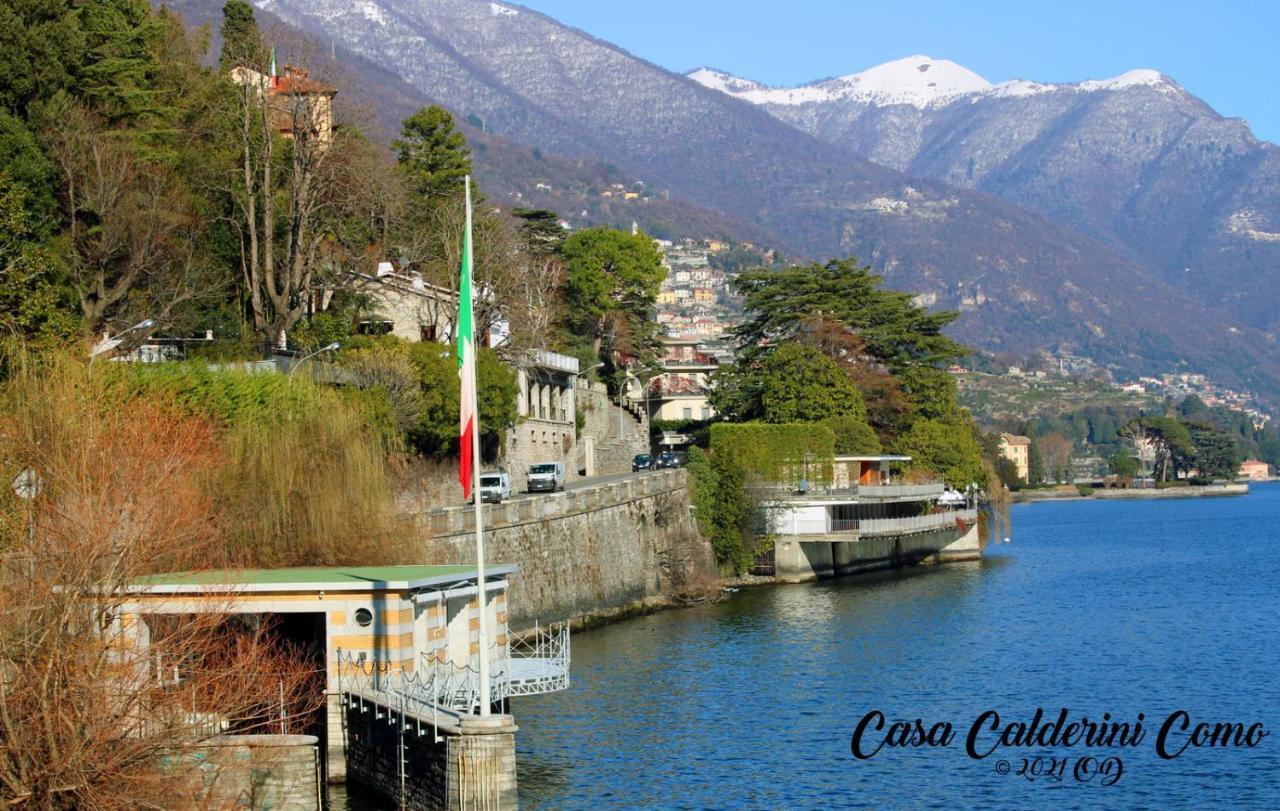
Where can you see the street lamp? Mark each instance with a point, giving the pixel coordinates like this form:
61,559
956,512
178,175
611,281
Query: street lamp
108,344
622,390
305,358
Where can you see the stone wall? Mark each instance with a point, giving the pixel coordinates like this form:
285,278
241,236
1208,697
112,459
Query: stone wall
584,551
251,771
536,440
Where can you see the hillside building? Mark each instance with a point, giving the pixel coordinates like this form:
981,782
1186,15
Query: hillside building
1017,449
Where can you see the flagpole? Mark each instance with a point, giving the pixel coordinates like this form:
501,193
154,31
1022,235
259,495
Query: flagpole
482,598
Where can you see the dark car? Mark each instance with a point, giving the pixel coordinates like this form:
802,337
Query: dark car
642,461
670,459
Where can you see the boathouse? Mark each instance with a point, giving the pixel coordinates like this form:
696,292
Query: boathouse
400,645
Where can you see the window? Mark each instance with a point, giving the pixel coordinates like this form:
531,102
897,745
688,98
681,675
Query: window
428,332
364,617
688,413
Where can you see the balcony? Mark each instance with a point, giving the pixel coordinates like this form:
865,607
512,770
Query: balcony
831,528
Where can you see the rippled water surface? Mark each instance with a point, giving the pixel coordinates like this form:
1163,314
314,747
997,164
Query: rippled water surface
1149,606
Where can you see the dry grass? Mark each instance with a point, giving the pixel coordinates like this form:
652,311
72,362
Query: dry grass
84,722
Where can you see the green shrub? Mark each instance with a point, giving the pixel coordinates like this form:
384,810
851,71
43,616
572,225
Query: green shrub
853,435
946,449
776,452
727,516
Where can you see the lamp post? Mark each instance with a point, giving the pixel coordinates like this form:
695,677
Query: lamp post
108,344
305,358
621,390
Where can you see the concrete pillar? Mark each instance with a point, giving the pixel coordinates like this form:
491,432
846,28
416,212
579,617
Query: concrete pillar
800,561
482,765
589,455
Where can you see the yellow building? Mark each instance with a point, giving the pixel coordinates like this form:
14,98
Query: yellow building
1017,449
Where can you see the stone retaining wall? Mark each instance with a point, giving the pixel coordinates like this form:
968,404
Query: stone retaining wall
584,551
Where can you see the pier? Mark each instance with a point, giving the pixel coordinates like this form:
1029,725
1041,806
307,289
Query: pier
401,650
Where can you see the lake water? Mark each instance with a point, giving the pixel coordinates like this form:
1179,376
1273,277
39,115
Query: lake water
1121,607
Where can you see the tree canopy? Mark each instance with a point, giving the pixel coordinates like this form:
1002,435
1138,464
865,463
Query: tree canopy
432,153
794,383
894,330
611,285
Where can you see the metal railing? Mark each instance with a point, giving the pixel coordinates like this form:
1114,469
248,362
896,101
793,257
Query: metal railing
537,662
901,490
829,525
915,523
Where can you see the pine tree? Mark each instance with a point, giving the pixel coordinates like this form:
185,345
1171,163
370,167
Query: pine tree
41,48
119,73
241,45
432,153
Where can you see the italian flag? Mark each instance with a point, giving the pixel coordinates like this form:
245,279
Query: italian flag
466,360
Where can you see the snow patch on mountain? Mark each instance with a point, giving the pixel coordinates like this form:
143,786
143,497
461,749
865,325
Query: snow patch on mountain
918,81
371,12
499,10
724,82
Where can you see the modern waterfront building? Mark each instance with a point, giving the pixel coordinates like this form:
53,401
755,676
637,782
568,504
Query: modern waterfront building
865,519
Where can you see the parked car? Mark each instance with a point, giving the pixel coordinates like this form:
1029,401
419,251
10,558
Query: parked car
546,476
495,487
642,461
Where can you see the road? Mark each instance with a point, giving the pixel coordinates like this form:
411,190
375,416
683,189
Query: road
579,484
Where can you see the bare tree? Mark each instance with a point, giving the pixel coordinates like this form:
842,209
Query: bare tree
133,234
1055,452
282,219
101,707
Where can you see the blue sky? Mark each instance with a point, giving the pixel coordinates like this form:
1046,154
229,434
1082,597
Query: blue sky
1225,51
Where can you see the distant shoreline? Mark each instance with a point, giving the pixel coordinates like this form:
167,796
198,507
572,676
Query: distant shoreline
1117,494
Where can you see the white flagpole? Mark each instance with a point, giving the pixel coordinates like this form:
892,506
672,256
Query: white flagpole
482,595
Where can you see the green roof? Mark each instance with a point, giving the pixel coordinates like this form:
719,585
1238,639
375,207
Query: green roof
332,578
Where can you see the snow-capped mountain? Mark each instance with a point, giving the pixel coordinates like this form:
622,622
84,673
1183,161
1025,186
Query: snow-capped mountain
917,81
1022,281
1135,162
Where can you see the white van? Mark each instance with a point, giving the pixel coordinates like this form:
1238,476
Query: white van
495,487
546,476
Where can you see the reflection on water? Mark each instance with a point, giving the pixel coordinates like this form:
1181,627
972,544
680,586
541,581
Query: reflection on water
1096,606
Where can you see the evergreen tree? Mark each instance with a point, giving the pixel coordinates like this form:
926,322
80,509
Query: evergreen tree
1217,455
611,286
24,163
432,153
118,76
34,299
41,49
541,230
241,45
896,332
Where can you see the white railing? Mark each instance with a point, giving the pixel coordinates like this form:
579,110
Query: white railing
537,662
791,524
901,490
916,523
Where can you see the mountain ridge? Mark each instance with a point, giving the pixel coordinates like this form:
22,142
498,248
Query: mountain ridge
1135,162
1021,280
